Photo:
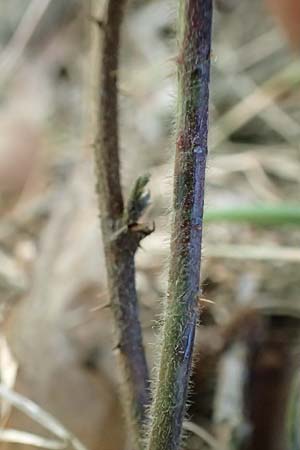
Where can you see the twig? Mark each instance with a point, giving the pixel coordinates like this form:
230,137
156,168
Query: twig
181,312
121,230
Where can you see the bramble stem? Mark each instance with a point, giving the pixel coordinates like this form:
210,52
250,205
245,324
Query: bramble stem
181,312
119,223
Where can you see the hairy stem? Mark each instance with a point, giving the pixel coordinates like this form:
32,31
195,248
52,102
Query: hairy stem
181,310
120,228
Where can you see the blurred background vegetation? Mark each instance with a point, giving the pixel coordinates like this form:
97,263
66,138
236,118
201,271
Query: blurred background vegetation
55,339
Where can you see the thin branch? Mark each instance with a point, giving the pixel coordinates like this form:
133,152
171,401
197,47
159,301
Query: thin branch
120,225
181,311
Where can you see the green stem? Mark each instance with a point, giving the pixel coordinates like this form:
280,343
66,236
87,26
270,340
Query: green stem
181,310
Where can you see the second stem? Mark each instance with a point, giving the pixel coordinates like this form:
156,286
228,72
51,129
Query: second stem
181,312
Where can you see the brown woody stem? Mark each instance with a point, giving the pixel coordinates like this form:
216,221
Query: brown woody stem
119,223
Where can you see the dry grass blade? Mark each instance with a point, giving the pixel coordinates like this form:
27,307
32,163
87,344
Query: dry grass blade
259,100
12,278
8,373
275,117
204,435
278,162
40,416
21,437
253,52
15,48
252,252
